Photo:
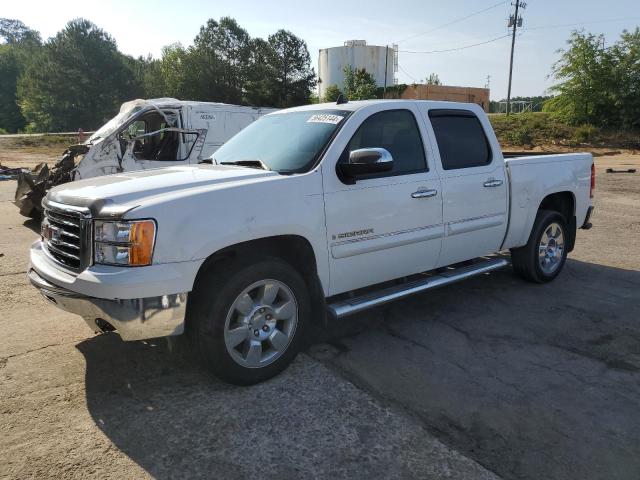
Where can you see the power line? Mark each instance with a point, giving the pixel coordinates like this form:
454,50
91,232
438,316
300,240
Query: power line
407,74
458,48
460,41
540,27
524,30
453,21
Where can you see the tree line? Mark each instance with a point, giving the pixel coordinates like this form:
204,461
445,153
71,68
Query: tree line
537,103
79,78
598,85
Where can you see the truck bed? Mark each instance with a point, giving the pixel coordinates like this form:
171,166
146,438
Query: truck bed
533,177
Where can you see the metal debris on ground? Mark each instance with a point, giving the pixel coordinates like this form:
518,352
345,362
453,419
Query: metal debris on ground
34,184
628,170
9,173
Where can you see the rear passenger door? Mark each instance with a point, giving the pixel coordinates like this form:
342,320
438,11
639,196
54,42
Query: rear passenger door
474,184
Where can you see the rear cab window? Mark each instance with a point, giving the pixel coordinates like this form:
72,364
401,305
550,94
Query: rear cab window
461,140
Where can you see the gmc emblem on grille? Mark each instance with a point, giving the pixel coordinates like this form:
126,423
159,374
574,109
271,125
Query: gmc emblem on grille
50,233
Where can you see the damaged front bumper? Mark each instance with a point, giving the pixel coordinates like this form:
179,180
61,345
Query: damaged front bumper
133,319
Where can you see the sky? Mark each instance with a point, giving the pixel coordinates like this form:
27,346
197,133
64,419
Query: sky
144,27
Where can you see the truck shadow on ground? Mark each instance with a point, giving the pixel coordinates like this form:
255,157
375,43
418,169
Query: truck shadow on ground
532,381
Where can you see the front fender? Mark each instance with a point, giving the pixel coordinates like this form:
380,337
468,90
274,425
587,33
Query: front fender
195,224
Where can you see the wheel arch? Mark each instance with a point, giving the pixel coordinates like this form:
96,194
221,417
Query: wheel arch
563,202
294,249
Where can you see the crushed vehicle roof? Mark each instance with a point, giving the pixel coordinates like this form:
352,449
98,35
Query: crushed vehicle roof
166,102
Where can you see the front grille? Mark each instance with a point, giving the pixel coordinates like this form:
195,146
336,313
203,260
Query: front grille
64,233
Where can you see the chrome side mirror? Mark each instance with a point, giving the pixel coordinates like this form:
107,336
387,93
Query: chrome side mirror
366,161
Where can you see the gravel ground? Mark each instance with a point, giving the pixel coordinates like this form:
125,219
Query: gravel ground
492,377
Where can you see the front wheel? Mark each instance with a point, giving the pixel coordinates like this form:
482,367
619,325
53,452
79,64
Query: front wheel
248,319
544,255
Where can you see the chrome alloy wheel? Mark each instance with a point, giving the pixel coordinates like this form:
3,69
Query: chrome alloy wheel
551,248
261,323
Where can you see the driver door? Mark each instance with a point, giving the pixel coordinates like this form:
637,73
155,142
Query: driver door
388,225
148,144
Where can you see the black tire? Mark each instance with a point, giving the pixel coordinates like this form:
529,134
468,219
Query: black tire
214,297
525,259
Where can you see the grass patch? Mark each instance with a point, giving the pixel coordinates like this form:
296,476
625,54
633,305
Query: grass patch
40,141
533,129
41,144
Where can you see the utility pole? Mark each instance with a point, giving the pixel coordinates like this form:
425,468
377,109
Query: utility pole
386,61
488,84
516,22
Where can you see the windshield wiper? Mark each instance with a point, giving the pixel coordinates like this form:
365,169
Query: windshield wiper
248,163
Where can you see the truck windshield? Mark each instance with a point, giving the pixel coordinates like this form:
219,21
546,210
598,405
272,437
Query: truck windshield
288,142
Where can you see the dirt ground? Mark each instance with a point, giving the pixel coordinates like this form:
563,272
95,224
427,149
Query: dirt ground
13,153
489,378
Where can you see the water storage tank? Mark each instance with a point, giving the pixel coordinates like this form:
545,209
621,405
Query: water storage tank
358,54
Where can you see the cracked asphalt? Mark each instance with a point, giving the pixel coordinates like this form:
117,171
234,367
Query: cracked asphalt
491,378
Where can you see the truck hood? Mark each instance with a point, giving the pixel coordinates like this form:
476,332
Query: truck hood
113,195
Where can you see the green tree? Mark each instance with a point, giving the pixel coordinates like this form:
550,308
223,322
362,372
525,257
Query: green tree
16,32
167,76
153,82
293,78
78,80
626,91
586,74
11,118
18,43
138,72
433,79
259,84
597,85
216,64
331,93
358,84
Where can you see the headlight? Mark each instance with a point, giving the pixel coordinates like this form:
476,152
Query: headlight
124,243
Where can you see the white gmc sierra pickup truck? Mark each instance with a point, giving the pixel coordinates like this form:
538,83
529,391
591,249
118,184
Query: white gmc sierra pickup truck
318,210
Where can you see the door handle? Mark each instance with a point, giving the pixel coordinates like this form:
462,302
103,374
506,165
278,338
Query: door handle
424,194
493,183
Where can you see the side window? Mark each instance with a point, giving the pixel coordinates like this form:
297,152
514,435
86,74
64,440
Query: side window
395,131
158,144
461,139
139,127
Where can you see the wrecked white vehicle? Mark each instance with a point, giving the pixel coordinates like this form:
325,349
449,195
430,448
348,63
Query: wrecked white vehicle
145,134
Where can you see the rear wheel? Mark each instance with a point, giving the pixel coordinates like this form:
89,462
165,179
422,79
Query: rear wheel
544,255
249,318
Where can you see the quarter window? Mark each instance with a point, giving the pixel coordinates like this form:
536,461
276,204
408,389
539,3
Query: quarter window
461,139
395,131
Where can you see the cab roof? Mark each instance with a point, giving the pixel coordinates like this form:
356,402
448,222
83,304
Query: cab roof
352,106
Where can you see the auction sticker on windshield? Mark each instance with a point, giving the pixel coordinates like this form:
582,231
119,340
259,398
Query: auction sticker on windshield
324,118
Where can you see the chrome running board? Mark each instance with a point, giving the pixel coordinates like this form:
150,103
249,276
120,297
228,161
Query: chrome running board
343,308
